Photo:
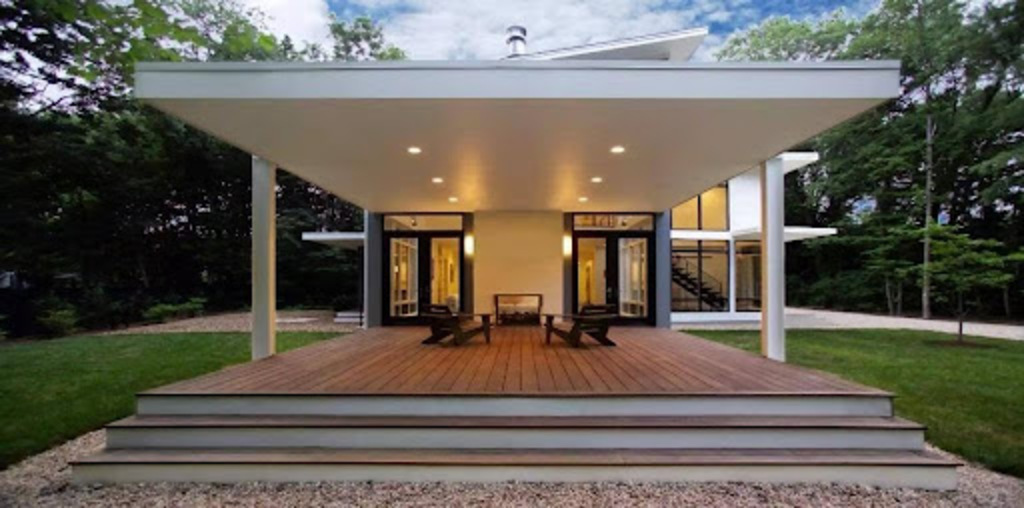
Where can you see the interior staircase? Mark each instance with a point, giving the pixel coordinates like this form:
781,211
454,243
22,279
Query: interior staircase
786,438
705,287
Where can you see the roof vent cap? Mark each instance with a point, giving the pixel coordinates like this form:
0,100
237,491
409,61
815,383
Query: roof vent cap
516,40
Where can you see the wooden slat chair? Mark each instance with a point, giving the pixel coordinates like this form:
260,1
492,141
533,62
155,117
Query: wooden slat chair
592,320
462,327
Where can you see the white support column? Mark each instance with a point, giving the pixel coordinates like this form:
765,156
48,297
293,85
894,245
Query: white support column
264,258
773,261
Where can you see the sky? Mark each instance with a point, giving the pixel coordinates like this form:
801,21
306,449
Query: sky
468,29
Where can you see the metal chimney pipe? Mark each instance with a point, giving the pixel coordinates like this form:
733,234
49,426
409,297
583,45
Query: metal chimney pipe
516,40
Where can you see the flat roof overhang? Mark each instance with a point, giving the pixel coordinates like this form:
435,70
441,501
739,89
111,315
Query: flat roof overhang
516,135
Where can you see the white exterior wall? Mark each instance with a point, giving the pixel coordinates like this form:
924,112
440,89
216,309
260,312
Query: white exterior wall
745,201
518,252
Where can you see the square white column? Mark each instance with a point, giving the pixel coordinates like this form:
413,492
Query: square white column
264,258
773,260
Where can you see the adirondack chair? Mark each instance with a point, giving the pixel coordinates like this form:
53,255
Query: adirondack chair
592,320
462,327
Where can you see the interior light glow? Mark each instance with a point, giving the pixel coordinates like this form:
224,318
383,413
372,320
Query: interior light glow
453,199
469,245
583,199
617,149
596,179
437,179
415,150
567,245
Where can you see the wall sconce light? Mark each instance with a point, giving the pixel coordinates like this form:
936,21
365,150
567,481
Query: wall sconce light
567,245
468,245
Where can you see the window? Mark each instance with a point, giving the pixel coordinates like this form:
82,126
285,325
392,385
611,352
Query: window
424,222
700,276
708,212
612,222
748,276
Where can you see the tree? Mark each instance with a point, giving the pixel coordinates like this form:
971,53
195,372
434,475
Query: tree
963,265
889,262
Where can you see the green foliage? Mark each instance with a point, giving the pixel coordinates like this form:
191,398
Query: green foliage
961,66
112,207
55,390
163,312
968,398
56,321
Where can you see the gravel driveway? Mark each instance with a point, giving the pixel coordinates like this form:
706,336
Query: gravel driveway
43,480
287,320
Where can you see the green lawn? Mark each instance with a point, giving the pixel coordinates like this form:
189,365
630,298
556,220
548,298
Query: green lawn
971,399
54,390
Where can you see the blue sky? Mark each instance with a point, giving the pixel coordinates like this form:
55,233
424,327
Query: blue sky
449,29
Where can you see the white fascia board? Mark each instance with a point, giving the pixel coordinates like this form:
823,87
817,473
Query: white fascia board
690,234
791,233
678,45
792,161
343,239
515,79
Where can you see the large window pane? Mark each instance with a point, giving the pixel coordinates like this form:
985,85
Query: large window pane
404,273
425,222
591,260
612,222
684,216
709,211
444,272
748,276
714,209
700,276
633,277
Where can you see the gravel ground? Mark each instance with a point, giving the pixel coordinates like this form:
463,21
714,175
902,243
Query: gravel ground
43,480
797,318
287,320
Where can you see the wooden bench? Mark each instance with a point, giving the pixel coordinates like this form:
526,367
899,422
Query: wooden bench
462,327
592,320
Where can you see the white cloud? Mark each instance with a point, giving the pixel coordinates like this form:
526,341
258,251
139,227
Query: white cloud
443,29
303,20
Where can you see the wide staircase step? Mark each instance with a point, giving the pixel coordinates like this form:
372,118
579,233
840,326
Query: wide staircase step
887,468
514,432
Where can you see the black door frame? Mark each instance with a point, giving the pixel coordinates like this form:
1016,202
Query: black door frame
611,238
423,238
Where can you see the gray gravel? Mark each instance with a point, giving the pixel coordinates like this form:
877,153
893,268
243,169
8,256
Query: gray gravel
43,480
288,320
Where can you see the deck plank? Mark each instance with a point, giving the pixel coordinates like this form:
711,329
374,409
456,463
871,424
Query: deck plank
391,361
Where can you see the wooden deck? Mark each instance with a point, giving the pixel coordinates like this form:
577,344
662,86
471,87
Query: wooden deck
391,361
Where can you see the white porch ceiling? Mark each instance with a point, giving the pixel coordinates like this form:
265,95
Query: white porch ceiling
515,135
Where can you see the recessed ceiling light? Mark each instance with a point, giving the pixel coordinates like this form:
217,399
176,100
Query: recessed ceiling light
617,149
597,179
583,199
437,179
453,199
415,150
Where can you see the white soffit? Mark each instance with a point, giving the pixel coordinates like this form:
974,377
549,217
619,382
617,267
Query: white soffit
340,239
515,135
677,45
792,161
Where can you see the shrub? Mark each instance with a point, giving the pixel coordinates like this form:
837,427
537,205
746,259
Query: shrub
58,321
163,312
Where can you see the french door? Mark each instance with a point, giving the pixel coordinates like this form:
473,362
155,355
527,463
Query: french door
422,268
615,268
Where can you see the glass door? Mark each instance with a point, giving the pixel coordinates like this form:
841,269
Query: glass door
633,273
614,269
423,269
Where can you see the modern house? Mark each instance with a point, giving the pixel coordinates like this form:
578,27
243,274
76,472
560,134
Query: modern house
538,184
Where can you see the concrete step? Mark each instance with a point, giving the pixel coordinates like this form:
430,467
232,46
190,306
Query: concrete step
796,432
326,404
884,468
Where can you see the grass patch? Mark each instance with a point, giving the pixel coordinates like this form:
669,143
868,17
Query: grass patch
54,390
971,399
